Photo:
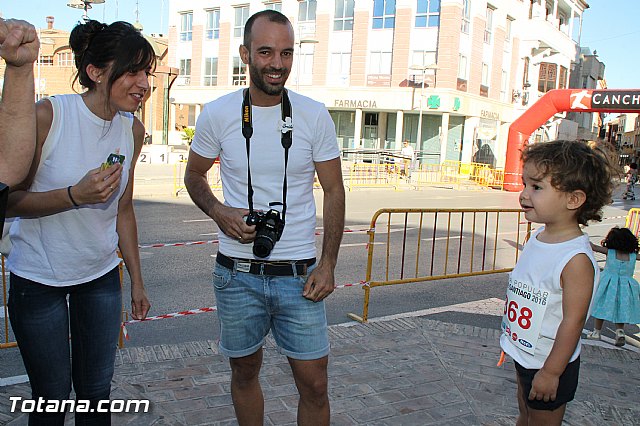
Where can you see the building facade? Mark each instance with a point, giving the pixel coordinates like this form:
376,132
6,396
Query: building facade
447,75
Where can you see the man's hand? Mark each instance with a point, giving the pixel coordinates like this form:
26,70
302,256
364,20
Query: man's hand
320,284
19,44
231,221
544,386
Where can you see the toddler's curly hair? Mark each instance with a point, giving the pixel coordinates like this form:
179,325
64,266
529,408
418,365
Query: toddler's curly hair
574,165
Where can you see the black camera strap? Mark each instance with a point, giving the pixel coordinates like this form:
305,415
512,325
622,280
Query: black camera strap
286,139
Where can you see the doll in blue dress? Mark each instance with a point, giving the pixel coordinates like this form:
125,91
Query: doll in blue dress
617,298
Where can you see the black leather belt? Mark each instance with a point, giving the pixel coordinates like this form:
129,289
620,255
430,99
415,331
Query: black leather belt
277,268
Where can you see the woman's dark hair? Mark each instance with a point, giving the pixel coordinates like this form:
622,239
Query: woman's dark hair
571,166
119,46
621,239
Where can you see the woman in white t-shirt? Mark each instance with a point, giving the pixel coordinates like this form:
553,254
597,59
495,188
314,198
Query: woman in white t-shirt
74,211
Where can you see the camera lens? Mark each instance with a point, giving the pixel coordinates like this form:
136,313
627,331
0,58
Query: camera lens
262,246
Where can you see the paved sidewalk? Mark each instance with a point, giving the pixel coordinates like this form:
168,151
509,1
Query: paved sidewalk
407,371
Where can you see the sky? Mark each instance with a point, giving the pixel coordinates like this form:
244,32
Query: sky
153,13
609,27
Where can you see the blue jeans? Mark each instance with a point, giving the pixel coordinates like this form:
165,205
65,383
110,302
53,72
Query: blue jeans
41,322
249,306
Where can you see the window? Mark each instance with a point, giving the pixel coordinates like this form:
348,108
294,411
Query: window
211,71
466,16
239,72
340,68
485,74
241,16
507,35
186,26
273,5
307,10
45,60
343,19
504,83
562,82
185,72
428,13
423,57
525,73
489,28
380,63
213,24
304,61
65,59
462,67
384,14
547,77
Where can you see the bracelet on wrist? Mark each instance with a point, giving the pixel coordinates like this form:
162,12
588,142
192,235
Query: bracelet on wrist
71,197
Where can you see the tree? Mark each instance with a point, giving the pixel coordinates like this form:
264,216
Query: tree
187,134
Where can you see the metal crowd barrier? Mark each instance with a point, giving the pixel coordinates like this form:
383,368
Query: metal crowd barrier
633,221
374,175
437,174
6,344
417,245
213,176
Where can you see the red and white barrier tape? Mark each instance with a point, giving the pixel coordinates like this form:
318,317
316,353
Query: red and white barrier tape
190,243
200,311
194,243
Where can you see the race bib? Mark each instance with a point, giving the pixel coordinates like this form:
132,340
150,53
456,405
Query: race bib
523,314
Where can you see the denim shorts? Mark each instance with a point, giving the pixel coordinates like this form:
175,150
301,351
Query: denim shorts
250,305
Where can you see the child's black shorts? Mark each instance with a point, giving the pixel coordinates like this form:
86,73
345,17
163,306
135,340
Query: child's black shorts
566,387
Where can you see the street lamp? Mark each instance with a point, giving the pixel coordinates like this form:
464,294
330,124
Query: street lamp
300,43
423,69
85,5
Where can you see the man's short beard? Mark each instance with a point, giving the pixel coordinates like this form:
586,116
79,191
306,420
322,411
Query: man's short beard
258,81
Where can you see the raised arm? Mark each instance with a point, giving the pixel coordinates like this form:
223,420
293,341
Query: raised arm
321,282
19,48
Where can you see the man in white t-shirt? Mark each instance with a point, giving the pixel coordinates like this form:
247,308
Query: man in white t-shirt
407,158
278,286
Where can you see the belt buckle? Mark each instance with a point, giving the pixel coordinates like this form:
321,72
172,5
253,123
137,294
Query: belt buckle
243,266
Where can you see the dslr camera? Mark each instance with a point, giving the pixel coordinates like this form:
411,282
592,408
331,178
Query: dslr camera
269,227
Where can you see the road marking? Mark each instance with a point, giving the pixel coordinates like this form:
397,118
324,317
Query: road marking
492,306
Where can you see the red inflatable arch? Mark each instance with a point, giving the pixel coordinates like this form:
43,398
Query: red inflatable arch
578,100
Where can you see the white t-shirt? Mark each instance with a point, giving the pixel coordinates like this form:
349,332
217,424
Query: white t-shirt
407,152
534,299
76,245
219,133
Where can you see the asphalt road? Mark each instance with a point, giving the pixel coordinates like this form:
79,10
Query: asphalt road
178,277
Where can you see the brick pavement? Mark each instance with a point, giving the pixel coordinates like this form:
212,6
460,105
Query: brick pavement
407,371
